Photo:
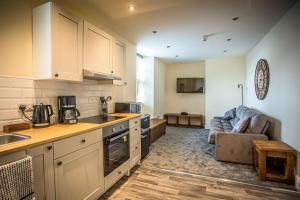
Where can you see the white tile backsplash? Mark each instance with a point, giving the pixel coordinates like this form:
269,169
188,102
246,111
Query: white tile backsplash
16,91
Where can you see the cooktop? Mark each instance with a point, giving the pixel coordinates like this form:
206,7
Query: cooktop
99,119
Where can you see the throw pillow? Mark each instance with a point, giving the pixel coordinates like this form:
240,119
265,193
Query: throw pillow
230,114
241,125
234,121
258,124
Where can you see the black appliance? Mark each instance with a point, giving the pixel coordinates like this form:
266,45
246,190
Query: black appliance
41,115
115,146
145,135
67,111
99,119
190,85
127,107
104,102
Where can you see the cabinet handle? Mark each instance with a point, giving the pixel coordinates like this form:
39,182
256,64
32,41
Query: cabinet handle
136,129
59,163
112,71
135,122
83,140
56,75
136,147
125,83
49,147
119,172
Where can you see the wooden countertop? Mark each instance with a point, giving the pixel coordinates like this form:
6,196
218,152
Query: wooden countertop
58,131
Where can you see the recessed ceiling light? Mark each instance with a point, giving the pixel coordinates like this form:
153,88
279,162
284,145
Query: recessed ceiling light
131,8
229,39
235,18
168,46
225,51
177,56
154,32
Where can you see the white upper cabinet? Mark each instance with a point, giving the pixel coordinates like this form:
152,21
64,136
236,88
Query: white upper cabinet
57,44
119,61
97,54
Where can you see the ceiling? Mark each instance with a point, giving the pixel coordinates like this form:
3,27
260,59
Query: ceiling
181,24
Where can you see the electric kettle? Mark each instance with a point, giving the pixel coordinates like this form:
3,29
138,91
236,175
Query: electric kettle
41,115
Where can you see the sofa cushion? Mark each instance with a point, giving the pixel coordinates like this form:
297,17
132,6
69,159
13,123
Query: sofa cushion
241,125
234,121
230,114
218,124
258,124
243,112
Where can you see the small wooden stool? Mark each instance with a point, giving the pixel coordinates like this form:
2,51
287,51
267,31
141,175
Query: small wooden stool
274,149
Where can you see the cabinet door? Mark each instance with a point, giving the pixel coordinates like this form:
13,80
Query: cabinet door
119,61
135,146
43,172
79,175
67,45
97,54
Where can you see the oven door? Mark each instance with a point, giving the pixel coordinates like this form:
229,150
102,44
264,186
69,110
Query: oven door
116,151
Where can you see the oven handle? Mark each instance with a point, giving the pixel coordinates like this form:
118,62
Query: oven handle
109,140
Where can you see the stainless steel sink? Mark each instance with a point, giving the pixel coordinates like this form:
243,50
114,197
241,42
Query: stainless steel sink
8,138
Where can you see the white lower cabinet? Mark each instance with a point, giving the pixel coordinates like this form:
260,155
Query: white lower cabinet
79,175
135,142
116,175
43,173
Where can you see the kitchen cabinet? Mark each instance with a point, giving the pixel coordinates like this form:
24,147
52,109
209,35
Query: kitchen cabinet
135,142
97,54
79,175
43,173
57,44
119,62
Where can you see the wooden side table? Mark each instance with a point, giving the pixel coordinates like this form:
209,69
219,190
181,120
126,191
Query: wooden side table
274,149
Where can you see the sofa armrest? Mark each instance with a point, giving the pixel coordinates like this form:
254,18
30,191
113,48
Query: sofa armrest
236,147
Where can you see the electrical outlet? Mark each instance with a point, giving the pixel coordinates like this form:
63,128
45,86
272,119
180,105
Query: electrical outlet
26,107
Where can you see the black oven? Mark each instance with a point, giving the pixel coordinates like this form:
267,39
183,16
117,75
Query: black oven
115,146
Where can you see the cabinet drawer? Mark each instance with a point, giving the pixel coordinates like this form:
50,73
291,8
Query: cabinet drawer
116,175
135,123
68,145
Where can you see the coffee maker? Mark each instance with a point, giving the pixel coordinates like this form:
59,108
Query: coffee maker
67,111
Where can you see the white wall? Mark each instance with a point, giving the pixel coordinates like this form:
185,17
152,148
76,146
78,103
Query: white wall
159,88
281,48
222,77
179,102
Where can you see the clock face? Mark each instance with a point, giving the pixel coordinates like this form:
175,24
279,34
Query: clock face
262,79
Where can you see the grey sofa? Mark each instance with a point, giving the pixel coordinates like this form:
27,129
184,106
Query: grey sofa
237,147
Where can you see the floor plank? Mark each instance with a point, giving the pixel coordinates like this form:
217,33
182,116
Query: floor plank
150,184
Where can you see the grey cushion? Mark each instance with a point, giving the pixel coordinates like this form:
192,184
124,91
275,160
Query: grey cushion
218,124
234,121
241,126
230,114
258,124
243,112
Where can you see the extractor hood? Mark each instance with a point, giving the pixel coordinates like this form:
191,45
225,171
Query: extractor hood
92,75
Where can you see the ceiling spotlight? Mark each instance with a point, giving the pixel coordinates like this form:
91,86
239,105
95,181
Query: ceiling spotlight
168,46
154,32
177,56
204,39
131,8
229,39
235,18
225,51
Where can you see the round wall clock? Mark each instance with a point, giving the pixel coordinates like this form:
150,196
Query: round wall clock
262,79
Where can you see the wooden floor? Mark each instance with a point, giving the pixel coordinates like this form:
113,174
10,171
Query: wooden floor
151,184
